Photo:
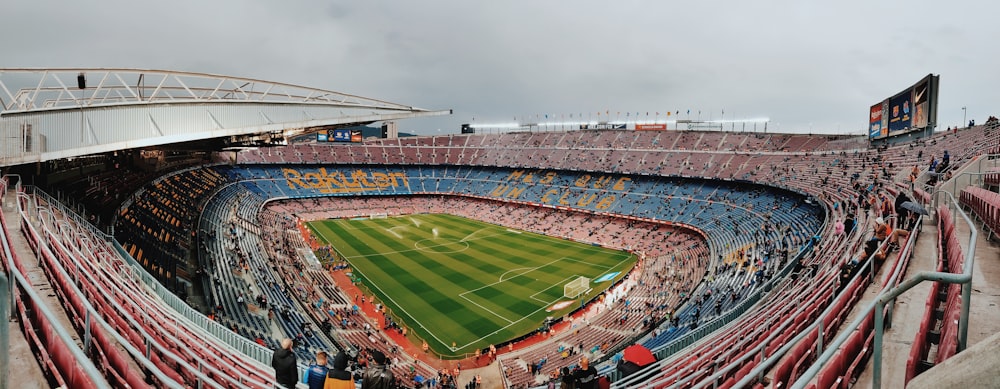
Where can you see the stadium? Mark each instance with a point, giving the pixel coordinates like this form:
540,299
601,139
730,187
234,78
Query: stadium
172,234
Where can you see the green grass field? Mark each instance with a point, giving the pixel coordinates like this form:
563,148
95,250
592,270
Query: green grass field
454,280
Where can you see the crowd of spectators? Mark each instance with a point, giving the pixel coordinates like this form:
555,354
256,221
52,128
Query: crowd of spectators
849,180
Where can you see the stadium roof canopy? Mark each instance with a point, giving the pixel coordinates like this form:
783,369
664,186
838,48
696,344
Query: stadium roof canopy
66,112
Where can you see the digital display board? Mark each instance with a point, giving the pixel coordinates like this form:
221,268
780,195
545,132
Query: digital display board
341,135
322,137
899,113
878,120
921,104
913,109
356,136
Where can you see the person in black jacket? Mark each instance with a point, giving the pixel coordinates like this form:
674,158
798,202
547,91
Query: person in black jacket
378,376
286,372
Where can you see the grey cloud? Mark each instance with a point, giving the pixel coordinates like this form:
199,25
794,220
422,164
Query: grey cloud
808,66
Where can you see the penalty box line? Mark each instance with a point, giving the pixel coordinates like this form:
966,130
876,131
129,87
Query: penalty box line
504,318
545,306
532,296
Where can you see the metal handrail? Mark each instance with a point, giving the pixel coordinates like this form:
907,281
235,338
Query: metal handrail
201,322
86,365
766,364
727,319
888,295
94,316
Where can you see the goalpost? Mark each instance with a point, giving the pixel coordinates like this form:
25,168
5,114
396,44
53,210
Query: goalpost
576,287
378,216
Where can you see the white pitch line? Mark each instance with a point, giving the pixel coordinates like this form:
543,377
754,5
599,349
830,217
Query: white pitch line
514,269
544,306
484,308
592,264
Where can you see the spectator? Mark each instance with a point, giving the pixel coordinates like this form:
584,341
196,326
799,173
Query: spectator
586,377
286,373
316,375
883,232
565,379
902,214
871,248
945,160
378,375
339,377
849,224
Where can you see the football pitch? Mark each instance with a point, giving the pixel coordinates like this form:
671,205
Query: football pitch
461,284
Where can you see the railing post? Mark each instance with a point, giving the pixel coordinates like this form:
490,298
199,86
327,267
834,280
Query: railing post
963,322
5,300
877,346
86,332
819,337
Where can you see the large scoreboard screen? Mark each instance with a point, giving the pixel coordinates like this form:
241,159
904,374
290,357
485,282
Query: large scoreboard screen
341,135
913,109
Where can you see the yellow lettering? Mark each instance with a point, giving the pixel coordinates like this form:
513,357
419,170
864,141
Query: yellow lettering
528,178
586,199
549,177
362,179
401,176
499,190
620,185
314,180
550,192
345,183
605,203
338,182
293,178
381,180
515,175
562,199
514,193
583,180
603,180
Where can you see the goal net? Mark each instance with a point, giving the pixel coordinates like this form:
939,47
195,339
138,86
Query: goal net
576,287
378,216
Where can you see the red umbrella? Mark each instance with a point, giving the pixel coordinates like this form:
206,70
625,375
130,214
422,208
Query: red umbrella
639,355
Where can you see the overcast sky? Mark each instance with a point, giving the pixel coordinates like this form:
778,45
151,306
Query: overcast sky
809,66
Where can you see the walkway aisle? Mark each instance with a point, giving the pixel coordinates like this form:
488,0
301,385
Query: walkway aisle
984,317
24,371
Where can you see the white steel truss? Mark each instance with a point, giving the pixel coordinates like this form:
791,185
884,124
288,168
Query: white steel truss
48,114
31,89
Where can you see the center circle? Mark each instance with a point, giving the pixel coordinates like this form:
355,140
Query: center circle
441,246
